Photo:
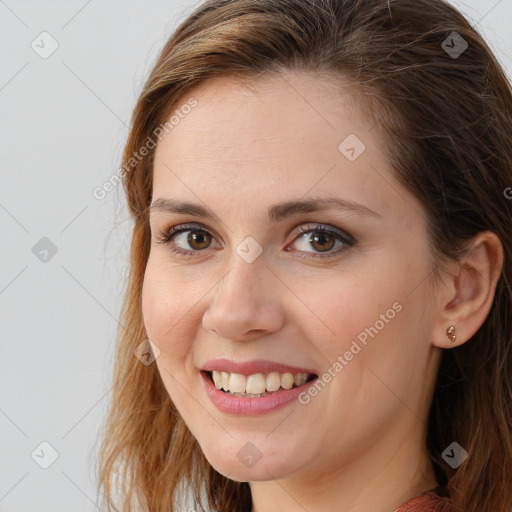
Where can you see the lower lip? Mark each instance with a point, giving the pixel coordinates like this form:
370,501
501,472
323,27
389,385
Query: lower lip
247,406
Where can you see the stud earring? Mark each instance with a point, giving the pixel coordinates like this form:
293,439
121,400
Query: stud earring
450,332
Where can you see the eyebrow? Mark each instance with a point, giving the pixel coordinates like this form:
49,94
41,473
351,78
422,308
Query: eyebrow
275,213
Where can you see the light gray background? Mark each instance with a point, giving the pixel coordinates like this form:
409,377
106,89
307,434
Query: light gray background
64,121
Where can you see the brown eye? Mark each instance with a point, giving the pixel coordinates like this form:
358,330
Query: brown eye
322,241
315,241
319,239
188,240
199,239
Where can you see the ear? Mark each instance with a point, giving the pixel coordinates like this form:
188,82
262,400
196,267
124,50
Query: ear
467,298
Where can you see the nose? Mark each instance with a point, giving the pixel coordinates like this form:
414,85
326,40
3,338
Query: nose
246,304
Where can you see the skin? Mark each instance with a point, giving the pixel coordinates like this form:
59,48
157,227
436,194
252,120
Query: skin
359,444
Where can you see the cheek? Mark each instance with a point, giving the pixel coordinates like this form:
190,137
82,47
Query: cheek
366,318
377,319
342,307
168,309
169,317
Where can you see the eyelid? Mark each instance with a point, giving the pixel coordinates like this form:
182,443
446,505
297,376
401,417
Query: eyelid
164,235
319,226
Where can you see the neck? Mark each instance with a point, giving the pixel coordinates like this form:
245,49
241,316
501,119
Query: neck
381,479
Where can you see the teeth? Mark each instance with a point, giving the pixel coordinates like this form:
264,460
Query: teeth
256,384
237,383
273,381
224,380
217,379
287,381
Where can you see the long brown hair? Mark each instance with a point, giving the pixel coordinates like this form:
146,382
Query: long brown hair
446,125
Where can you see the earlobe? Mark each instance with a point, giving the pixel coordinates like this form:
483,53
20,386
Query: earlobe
467,300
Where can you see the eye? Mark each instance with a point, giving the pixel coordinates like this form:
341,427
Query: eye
322,239
197,239
187,239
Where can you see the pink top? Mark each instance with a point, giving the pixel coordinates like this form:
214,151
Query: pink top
429,501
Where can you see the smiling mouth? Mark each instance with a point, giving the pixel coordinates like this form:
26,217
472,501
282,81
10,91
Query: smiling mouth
257,385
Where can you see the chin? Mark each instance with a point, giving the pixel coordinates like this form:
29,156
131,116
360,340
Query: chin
247,465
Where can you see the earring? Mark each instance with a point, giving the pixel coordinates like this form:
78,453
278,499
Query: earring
450,332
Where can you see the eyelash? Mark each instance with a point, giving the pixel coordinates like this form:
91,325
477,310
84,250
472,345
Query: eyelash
165,237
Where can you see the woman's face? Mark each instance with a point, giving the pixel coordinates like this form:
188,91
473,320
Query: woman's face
337,292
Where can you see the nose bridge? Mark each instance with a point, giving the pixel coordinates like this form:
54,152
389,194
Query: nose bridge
245,299
244,283
247,268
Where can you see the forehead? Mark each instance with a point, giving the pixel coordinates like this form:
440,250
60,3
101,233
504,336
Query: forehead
274,138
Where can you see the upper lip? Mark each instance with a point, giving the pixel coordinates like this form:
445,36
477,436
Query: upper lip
252,367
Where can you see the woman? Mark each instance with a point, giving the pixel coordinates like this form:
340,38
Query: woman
321,260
